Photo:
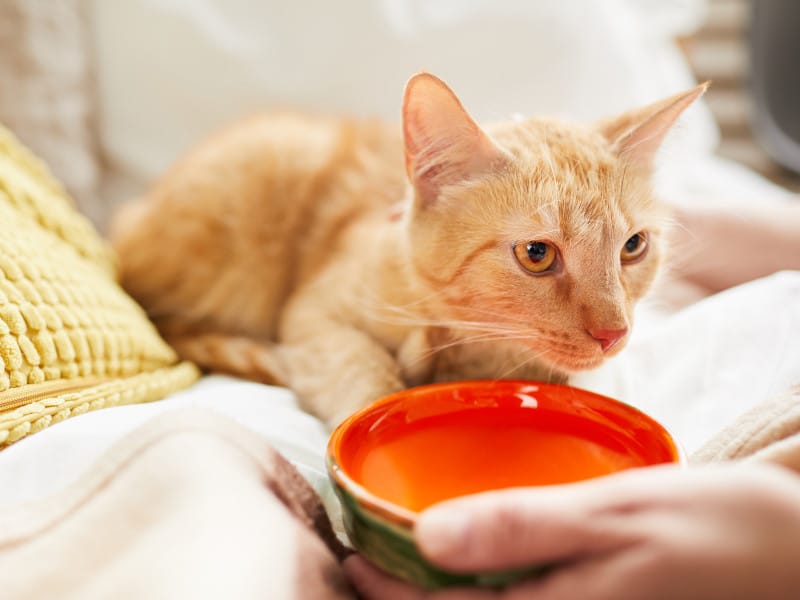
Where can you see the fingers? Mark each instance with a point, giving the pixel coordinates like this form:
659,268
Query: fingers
645,534
594,579
373,584
508,530
530,526
619,574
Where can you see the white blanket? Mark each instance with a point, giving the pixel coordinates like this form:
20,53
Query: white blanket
41,464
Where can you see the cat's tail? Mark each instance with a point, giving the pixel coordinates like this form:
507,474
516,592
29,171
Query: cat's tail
235,355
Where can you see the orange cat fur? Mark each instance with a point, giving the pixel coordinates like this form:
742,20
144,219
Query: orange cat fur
294,250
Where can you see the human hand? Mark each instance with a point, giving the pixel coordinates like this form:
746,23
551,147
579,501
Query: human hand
663,532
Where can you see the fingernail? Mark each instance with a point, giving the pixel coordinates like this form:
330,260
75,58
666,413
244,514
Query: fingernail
440,532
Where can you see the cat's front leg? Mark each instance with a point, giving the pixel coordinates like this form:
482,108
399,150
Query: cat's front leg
416,356
338,370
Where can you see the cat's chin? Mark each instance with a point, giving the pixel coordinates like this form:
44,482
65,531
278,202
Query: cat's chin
567,363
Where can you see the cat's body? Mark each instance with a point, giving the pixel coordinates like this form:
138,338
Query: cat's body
293,249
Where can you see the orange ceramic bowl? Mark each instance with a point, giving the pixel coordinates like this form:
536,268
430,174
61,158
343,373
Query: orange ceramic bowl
418,447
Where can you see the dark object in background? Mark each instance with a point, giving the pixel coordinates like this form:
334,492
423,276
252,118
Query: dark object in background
775,78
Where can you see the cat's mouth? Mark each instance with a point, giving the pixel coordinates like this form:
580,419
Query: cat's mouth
577,355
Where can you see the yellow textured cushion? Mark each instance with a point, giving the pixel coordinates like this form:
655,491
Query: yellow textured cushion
71,340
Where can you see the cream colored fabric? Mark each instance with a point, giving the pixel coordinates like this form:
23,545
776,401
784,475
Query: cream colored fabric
189,506
770,431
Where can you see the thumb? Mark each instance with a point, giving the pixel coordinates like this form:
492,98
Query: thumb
515,528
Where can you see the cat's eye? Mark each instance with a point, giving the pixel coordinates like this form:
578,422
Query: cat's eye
535,257
634,249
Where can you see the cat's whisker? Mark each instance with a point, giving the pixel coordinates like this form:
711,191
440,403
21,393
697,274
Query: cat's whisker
404,315
375,305
551,372
521,365
486,332
483,338
486,337
394,315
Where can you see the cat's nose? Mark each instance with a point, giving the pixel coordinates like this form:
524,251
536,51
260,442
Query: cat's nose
608,337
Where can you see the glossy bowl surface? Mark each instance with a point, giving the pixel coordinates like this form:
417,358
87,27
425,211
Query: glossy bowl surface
412,449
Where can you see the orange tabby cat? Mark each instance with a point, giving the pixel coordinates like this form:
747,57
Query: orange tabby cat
294,250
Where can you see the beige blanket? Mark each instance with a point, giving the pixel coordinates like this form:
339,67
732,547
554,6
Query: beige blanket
770,431
195,506
190,506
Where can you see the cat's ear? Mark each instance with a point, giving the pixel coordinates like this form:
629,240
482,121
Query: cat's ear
636,135
443,144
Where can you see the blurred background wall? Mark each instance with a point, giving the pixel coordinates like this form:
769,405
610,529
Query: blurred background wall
720,51
110,92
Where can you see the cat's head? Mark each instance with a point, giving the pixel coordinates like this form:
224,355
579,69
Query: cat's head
541,233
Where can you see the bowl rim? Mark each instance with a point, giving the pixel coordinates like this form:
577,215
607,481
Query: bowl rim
405,517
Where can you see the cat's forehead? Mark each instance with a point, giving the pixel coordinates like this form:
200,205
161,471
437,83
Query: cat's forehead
568,180
563,144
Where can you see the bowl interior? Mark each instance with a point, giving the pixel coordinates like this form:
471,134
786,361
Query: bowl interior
424,445
407,451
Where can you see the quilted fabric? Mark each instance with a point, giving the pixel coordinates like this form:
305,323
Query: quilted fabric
71,339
